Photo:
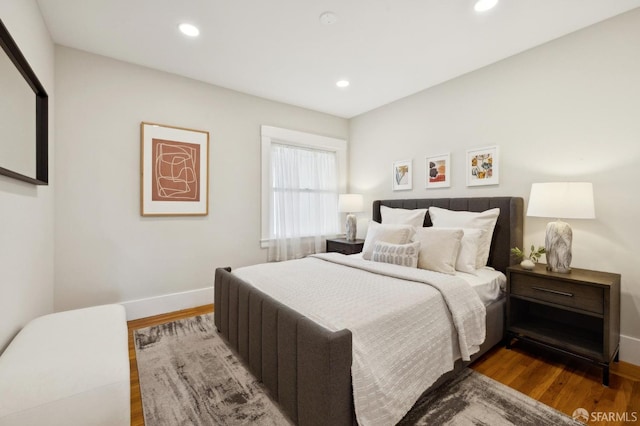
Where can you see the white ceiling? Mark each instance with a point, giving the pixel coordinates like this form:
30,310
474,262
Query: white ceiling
279,50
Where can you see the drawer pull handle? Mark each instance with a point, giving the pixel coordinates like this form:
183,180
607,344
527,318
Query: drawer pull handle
546,290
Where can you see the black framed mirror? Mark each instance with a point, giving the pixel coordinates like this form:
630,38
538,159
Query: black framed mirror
24,142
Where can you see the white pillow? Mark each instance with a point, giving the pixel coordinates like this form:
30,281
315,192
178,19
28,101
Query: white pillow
402,216
396,234
397,254
486,220
469,245
438,248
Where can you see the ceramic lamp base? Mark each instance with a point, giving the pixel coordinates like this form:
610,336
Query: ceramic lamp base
351,227
557,245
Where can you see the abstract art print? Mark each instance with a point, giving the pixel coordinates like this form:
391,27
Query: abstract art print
438,171
401,175
175,171
482,166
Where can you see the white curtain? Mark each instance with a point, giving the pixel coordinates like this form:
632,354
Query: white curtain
304,201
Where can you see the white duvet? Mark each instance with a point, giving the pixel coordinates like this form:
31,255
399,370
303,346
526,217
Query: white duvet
403,321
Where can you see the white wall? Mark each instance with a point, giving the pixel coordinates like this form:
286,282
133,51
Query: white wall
105,251
26,211
568,110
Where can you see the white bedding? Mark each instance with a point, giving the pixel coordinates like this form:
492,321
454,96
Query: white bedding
488,283
403,330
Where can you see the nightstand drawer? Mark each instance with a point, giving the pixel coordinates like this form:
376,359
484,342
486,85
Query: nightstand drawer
584,297
335,247
340,245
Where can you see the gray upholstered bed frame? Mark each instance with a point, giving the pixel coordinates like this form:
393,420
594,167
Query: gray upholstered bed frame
306,367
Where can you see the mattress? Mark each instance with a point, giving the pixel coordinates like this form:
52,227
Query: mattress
489,284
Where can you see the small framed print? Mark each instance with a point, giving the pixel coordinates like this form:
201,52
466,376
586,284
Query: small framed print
401,175
483,166
438,171
174,171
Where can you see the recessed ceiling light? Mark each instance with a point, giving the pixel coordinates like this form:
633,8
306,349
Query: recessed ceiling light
342,83
484,5
328,18
189,30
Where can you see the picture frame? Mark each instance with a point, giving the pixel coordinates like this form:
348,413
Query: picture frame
401,175
438,171
174,169
483,166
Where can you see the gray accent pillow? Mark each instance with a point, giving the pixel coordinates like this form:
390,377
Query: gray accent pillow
395,234
397,254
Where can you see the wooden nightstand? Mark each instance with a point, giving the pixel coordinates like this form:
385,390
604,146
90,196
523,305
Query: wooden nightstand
341,245
576,313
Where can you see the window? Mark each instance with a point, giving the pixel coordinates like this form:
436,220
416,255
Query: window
304,192
302,175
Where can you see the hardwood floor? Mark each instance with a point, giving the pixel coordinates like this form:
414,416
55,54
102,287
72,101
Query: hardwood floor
562,383
566,384
137,417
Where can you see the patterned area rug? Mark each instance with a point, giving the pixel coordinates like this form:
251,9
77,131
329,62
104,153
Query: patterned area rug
188,376
474,399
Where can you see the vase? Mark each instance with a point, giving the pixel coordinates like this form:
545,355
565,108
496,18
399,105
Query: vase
528,264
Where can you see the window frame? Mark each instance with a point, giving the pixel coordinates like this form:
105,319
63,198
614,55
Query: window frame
270,135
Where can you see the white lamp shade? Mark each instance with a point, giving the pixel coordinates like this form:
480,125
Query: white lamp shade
350,203
562,200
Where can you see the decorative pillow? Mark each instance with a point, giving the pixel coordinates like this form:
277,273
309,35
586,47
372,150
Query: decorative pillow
486,220
397,254
395,234
403,216
469,245
438,248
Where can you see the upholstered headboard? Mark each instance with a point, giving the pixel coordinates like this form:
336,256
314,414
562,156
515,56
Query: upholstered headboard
509,227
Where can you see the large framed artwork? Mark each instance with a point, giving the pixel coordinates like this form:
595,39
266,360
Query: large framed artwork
401,175
438,171
483,167
174,171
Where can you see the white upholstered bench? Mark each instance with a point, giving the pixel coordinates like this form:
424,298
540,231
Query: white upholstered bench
68,368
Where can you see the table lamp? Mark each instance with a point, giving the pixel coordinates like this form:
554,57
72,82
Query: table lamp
566,200
350,203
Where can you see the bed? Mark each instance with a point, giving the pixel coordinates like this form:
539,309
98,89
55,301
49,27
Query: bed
307,366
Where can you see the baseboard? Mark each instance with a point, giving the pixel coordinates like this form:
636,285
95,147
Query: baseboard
166,303
630,349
